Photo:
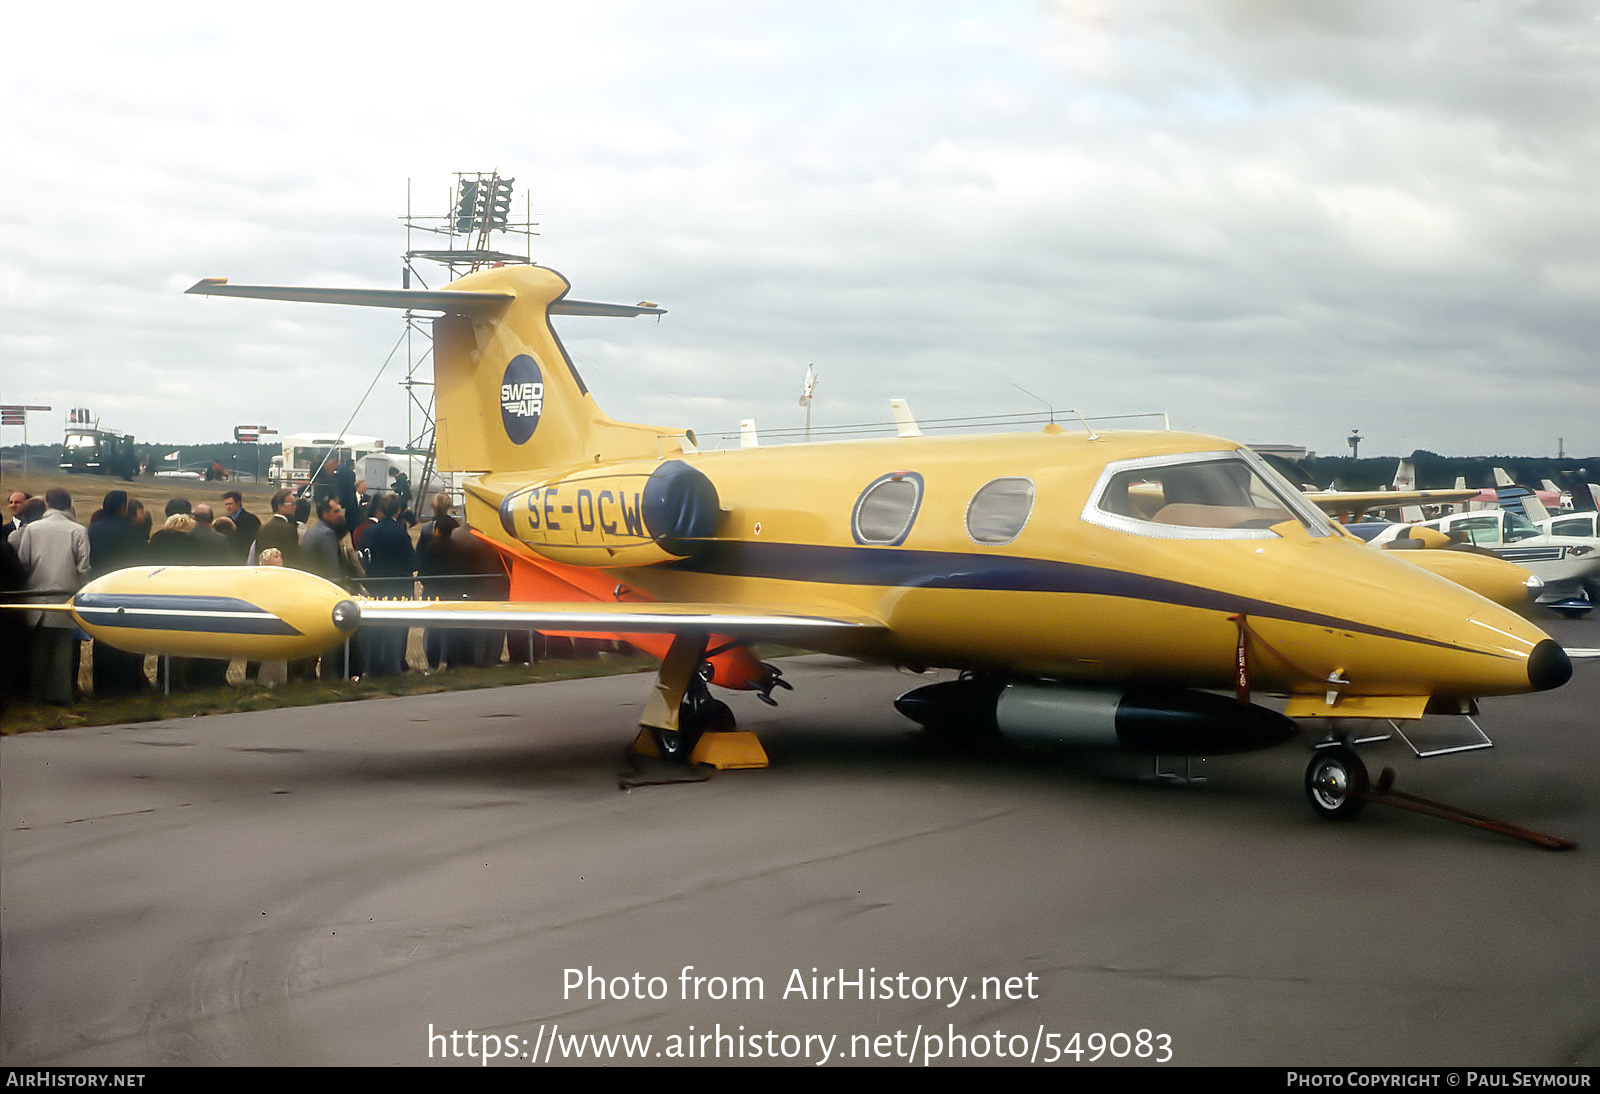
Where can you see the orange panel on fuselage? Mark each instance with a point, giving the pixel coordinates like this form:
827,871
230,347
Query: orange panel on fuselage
534,578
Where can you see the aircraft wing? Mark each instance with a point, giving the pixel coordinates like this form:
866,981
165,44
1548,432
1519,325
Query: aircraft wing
268,612
1359,501
604,618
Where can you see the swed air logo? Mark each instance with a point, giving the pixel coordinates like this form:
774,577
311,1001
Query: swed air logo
521,398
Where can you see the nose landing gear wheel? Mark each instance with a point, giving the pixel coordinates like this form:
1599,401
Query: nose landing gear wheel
1334,779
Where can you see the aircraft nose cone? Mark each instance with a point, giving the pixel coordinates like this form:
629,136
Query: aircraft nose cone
1548,666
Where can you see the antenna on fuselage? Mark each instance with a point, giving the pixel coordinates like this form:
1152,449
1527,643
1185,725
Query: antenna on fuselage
1093,436
905,424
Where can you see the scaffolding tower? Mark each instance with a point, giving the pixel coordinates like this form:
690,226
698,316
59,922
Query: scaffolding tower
480,211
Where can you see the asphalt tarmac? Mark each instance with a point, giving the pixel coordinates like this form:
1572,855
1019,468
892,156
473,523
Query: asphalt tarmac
332,885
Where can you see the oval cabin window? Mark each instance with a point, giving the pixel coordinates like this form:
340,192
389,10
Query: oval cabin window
885,509
999,510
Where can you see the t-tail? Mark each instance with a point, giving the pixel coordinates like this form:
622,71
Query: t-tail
506,394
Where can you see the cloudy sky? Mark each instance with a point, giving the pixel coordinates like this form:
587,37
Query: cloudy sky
1276,221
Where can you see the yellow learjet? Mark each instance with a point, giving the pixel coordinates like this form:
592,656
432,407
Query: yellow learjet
1093,588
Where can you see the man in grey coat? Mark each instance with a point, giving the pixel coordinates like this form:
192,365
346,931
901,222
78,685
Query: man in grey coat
320,550
55,551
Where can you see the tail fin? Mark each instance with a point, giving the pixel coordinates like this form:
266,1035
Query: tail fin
1405,478
507,397
1522,501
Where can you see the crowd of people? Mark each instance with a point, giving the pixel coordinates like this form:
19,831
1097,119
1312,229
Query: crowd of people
359,541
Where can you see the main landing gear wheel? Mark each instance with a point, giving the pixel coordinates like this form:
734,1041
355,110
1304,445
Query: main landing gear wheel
698,714
1334,781
674,745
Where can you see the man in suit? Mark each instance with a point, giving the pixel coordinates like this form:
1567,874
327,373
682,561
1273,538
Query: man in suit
13,519
320,550
116,542
390,562
214,546
280,530
246,524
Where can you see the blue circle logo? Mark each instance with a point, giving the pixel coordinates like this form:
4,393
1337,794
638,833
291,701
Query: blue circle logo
521,398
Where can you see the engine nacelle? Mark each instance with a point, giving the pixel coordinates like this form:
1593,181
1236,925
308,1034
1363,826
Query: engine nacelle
636,515
1163,721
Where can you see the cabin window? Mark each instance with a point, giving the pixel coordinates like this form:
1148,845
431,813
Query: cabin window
1580,526
885,510
1519,527
999,510
1201,495
1477,530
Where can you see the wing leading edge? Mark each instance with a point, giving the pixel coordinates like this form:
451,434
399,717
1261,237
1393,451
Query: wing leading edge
1359,501
650,618
272,611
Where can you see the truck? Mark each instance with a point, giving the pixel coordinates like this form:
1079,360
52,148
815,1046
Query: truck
89,449
303,453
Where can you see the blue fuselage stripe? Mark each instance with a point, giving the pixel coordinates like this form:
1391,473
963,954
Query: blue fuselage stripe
901,568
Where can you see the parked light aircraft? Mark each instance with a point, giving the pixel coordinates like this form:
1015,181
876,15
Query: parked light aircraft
1402,494
1585,525
1093,588
1484,573
1476,568
1505,494
1568,565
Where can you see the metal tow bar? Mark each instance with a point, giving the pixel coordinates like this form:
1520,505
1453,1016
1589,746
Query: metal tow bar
1384,793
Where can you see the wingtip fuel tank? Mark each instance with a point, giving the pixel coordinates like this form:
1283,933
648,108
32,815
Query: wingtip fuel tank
260,613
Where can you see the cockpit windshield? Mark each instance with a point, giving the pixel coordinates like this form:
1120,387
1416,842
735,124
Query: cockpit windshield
1519,527
1206,495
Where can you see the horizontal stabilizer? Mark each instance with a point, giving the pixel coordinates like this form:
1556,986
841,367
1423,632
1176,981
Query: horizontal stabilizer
453,301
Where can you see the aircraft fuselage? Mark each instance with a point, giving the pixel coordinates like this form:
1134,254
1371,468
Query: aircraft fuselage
1060,595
